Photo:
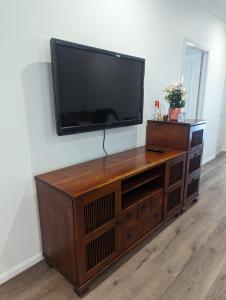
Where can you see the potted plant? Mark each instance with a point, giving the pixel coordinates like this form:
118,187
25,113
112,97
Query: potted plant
175,95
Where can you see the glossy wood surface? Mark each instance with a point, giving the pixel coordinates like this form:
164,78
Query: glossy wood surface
166,134
176,134
79,179
57,228
186,260
189,136
82,210
95,212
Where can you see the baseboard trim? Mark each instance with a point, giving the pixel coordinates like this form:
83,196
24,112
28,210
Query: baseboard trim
208,160
20,268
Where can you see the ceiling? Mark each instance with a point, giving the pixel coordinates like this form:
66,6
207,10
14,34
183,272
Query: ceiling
217,7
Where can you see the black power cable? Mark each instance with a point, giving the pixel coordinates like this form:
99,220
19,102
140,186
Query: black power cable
104,143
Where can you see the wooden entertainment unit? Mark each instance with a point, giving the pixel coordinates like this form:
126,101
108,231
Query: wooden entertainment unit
93,213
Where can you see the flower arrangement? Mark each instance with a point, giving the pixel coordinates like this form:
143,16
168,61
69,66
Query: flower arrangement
175,95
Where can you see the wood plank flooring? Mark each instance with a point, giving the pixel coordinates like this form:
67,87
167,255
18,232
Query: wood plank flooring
186,260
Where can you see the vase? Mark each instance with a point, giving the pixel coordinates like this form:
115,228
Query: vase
173,114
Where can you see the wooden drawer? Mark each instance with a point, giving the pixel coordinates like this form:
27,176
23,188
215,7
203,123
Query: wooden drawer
144,208
129,217
133,234
191,188
157,201
150,212
150,222
194,162
130,236
196,137
149,204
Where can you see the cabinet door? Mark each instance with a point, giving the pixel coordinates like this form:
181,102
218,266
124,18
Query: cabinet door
191,188
196,138
98,230
194,163
175,171
173,201
174,186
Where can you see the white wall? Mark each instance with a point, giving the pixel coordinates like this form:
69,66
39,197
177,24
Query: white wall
153,29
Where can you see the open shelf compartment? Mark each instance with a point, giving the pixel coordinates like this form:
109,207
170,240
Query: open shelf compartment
142,192
141,179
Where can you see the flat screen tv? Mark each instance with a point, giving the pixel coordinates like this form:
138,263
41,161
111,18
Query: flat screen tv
95,89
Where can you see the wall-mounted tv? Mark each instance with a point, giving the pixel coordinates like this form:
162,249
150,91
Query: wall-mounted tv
95,89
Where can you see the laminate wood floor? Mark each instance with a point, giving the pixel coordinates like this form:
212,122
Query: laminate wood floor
186,260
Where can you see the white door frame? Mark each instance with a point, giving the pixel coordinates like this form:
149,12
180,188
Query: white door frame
203,75
221,142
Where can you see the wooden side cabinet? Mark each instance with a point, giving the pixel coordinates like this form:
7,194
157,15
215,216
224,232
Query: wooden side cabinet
187,136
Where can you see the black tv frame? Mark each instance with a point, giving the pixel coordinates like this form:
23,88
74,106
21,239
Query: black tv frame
91,127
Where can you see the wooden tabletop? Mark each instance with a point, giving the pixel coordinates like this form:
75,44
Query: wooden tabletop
79,179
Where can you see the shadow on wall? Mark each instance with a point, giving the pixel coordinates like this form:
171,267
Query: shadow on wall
18,247
49,151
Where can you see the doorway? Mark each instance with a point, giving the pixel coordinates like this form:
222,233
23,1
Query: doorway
221,140
193,77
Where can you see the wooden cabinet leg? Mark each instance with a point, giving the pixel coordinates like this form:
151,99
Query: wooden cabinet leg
196,200
49,264
81,291
47,261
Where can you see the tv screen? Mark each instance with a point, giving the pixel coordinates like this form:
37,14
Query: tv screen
95,89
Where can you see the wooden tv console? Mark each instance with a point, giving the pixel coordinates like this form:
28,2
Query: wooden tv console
93,213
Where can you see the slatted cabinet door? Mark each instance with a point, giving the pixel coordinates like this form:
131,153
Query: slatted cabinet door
174,185
191,191
98,230
194,163
196,138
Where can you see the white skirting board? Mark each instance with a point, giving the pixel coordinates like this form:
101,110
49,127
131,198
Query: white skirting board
20,268
208,160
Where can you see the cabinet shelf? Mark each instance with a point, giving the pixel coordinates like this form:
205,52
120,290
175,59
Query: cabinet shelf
141,179
141,193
